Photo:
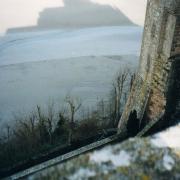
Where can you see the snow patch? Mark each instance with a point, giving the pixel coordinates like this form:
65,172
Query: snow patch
169,138
122,158
82,173
168,162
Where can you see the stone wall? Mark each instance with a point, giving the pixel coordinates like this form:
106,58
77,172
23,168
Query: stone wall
150,94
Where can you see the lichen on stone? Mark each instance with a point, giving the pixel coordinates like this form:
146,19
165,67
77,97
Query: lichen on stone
136,158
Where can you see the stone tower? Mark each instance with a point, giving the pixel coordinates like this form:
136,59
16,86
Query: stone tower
155,94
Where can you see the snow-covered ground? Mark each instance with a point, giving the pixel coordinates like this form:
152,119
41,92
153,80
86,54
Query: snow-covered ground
169,138
49,45
38,67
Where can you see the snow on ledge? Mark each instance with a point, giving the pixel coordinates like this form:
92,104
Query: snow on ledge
121,158
82,173
169,138
168,162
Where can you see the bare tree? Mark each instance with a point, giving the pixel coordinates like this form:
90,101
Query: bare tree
42,126
74,105
133,76
118,87
50,120
8,132
101,108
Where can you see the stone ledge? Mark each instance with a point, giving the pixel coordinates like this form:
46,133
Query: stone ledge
155,157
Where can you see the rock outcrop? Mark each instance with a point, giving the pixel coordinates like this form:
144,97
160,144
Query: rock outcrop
157,82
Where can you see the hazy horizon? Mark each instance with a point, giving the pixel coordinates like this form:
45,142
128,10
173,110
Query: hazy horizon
20,13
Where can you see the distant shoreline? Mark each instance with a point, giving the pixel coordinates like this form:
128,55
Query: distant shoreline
34,30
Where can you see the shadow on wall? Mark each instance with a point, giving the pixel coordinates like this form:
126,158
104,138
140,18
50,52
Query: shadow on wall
76,14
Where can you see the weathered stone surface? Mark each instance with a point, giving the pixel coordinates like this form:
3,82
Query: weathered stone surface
155,157
150,94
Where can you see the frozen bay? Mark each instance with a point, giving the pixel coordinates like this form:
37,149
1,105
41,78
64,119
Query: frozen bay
38,67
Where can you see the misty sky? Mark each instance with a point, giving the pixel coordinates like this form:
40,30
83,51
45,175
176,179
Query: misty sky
20,13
